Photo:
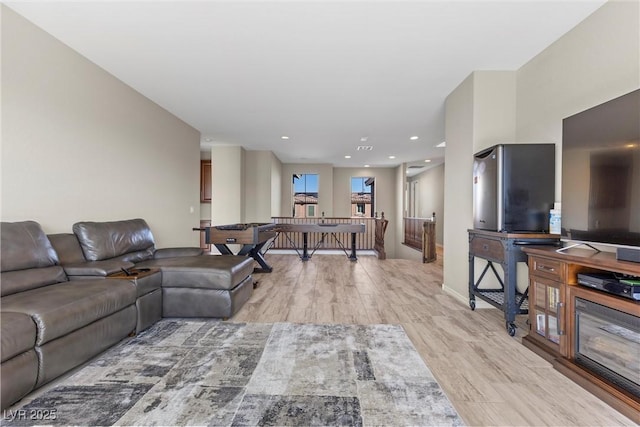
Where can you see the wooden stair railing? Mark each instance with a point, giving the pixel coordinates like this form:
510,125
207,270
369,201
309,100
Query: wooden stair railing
413,232
381,228
429,240
420,234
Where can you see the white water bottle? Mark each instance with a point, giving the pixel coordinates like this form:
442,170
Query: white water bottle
555,219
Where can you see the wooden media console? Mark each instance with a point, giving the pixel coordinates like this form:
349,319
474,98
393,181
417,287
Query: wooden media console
562,313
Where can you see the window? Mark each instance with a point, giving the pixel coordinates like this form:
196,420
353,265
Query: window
305,195
362,196
311,210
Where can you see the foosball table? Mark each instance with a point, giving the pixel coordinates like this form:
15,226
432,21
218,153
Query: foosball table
252,236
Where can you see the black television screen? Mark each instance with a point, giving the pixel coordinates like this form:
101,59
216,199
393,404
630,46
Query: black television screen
601,173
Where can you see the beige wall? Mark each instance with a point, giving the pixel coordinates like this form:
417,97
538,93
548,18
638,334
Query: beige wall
431,197
494,108
227,185
276,186
479,115
258,172
458,203
596,61
246,185
78,144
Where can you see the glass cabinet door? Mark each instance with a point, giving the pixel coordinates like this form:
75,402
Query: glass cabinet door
553,298
547,299
540,292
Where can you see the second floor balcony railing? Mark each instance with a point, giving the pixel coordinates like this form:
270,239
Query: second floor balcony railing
364,241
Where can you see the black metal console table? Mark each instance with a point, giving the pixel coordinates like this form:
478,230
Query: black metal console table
505,250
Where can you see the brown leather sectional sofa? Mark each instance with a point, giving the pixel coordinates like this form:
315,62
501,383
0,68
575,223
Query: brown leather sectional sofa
60,306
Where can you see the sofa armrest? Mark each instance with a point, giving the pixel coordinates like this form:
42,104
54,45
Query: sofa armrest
96,268
176,252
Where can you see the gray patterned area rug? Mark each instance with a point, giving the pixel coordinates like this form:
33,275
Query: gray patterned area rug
207,372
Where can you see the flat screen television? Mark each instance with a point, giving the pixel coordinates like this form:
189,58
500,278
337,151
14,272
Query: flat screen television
601,174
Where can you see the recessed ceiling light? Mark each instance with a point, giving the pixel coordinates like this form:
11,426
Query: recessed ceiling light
392,157
427,161
364,139
413,138
284,137
347,157
208,139
442,144
366,166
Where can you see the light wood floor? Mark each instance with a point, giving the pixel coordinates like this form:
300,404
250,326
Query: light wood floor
490,377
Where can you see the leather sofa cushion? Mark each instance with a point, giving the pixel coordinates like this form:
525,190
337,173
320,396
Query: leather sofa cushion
192,302
19,376
65,307
17,334
96,268
137,256
176,252
105,240
67,247
23,280
27,258
24,245
206,271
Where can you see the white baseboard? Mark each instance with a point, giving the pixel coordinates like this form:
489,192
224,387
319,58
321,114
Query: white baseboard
465,298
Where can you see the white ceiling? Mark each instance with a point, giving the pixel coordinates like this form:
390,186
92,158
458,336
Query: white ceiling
324,73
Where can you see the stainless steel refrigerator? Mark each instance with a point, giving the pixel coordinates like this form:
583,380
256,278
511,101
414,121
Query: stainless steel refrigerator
514,187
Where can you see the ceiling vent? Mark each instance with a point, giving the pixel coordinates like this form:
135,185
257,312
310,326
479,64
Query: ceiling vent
365,147
415,167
